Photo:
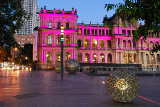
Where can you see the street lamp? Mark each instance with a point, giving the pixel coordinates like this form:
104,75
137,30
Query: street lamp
62,47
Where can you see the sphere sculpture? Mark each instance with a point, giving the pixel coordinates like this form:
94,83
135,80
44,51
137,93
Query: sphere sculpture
72,66
122,86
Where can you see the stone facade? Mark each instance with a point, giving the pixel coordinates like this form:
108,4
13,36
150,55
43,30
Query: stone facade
91,43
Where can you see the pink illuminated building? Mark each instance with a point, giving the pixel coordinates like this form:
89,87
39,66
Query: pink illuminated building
91,43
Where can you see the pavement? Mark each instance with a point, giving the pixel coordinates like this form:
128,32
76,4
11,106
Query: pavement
46,89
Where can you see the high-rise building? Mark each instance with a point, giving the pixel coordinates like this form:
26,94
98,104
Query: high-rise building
30,6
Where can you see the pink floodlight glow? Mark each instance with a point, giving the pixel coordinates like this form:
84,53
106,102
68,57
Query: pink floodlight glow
114,43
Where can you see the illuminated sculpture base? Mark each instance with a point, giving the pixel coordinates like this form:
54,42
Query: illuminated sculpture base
72,66
122,86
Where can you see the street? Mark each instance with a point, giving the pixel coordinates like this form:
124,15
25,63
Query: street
46,89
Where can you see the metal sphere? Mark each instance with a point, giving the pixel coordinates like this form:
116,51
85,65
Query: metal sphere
122,86
72,66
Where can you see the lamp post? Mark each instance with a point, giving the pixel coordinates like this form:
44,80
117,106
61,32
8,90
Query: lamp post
62,47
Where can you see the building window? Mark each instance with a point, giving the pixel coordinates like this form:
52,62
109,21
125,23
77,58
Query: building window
124,44
134,44
119,43
87,58
101,44
102,58
110,32
92,31
123,32
58,57
68,56
153,61
79,31
129,44
80,57
67,25
109,58
58,25
158,58
129,33
86,43
100,32
49,25
95,32
151,45
107,33
49,39
88,32
79,43
58,40
147,57
68,41
94,44
48,58
85,31
95,58
109,44
103,32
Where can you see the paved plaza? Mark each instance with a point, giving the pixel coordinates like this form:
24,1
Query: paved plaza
46,89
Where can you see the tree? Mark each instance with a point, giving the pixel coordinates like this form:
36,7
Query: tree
12,16
145,11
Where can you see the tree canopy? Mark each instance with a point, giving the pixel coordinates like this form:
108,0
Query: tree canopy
12,16
145,11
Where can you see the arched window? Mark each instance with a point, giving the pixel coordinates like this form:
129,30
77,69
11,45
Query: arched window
129,44
79,43
109,58
109,44
86,43
87,58
102,57
95,58
67,25
68,56
94,44
80,57
48,58
49,39
124,44
101,44
58,57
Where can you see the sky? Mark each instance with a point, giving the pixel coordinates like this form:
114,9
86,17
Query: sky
88,10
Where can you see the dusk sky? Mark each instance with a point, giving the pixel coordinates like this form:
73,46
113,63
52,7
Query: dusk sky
88,10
